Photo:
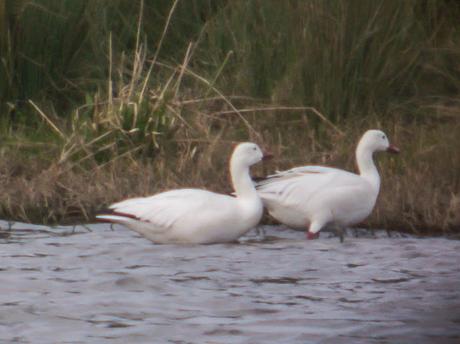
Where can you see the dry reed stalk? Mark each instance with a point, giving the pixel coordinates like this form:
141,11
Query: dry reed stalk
47,120
288,108
182,67
136,49
219,93
157,51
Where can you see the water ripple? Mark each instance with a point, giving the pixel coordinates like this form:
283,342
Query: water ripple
97,285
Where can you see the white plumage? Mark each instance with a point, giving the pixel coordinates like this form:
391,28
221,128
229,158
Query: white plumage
315,196
193,215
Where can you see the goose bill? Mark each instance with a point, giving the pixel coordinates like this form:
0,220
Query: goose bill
393,149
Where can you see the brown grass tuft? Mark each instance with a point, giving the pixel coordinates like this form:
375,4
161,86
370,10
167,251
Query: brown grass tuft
420,188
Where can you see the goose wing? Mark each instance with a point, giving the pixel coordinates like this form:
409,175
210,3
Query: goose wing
167,208
297,186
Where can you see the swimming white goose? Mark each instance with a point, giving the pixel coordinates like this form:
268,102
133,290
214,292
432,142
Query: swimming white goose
193,215
315,196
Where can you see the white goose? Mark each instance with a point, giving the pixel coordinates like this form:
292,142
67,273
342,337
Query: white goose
193,215
315,196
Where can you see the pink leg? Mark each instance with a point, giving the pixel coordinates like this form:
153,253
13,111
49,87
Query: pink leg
312,236
315,227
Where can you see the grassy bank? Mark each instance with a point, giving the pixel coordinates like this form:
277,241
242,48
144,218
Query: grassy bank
103,100
417,192
418,186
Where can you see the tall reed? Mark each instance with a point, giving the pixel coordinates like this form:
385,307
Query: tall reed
345,58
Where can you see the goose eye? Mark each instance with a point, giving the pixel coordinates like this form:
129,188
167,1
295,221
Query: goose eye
383,137
254,148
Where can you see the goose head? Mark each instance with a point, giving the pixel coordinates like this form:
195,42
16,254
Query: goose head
248,154
377,141
244,156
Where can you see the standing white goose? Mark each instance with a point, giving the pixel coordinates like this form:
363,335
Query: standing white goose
193,215
315,196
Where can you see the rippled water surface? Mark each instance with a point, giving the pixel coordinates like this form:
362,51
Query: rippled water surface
67,285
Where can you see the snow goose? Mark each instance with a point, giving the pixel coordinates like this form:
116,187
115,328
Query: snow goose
196,216
315,196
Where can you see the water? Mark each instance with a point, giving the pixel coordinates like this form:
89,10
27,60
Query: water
67,285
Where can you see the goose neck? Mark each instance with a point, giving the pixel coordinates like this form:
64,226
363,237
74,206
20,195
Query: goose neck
241,180
366,166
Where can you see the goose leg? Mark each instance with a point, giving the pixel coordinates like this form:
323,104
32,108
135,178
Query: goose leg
315,227
260,232
312,236
340,232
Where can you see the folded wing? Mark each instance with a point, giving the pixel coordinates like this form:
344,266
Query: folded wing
298,186
166,209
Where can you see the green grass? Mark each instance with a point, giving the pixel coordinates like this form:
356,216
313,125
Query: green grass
57,51
345,58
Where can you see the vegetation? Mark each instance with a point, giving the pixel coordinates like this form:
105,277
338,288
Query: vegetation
105,99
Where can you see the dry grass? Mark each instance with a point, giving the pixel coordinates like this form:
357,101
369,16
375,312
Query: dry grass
420,187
